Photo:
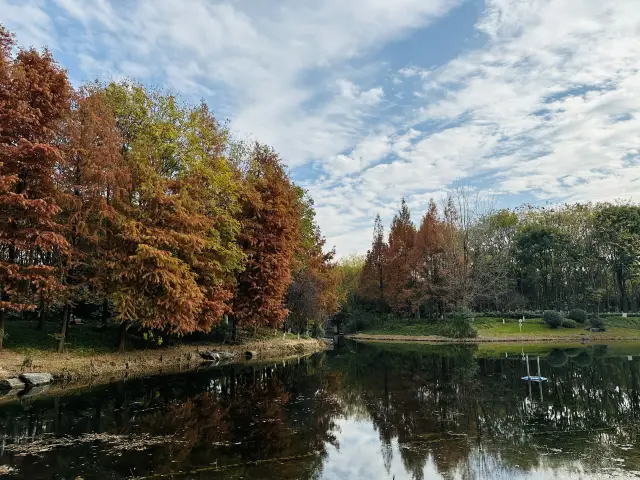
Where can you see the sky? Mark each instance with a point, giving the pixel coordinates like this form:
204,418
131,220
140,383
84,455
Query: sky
370,101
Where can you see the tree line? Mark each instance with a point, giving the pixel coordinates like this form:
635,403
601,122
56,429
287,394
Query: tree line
465,254
120,195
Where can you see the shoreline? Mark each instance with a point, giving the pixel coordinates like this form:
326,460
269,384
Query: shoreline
69,368
586,339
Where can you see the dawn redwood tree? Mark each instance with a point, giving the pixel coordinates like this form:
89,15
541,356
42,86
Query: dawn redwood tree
372,278
400,263
34,98
270,219
428,251
179,225
312,296
92,182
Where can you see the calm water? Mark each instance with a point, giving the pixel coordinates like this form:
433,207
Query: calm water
359,412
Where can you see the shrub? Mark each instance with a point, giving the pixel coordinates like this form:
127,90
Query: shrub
553,319
597,322
221,332
569,323
458,325
578,315
317,330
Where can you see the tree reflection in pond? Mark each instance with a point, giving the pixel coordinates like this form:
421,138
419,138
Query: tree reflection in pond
361,411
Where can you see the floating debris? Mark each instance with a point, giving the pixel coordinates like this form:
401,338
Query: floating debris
118,443
7,470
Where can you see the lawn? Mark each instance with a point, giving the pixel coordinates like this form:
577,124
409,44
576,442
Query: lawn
402,328
493,328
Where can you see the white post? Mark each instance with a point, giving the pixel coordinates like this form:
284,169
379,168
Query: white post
528,373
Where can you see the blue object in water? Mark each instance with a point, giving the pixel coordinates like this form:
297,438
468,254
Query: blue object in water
534,379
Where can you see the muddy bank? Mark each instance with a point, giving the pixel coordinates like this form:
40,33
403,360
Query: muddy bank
585,338
70,368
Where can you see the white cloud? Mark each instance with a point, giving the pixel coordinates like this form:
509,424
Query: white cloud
539,50
549,105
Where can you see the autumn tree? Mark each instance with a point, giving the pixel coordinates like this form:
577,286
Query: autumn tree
269,219
373,276
400,271
312,295
428,256
178,225
34,98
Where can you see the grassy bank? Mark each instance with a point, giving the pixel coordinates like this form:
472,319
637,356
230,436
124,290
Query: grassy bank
90,353
494,330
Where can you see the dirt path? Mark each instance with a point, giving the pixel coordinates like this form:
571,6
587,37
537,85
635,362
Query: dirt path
507,339
106,367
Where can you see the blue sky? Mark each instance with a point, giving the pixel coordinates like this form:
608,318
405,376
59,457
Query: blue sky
372,100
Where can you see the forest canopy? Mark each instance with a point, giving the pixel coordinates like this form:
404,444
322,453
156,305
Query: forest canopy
465,254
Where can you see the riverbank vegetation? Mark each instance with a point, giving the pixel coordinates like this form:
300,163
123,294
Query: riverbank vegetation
572,264
121,204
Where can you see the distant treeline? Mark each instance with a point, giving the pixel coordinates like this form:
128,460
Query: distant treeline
469,255
121,196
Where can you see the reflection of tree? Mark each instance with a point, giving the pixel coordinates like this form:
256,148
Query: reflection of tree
233,417
471,417
467,413
414,399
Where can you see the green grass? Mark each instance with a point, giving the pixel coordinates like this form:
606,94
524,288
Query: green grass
418,329
488,327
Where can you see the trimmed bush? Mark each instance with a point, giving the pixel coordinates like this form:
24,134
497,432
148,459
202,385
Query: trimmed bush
569,323
597,322
553,319
578,315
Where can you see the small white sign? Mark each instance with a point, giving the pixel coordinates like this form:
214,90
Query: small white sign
624,315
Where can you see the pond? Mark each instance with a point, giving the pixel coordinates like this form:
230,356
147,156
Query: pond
361,411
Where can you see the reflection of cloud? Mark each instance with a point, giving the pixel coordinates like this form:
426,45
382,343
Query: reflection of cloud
359,456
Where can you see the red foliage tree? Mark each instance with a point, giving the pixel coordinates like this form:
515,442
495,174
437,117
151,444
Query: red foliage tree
400,262
34,98
270,219
429,250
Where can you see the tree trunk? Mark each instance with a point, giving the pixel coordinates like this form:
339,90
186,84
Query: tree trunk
105,313
2,317
234,329
124,326
41,319
63,332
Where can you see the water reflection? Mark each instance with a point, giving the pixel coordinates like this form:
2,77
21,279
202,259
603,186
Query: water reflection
359,411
